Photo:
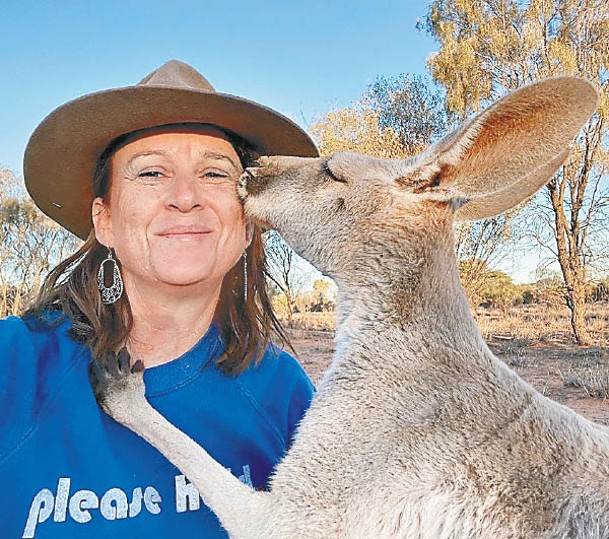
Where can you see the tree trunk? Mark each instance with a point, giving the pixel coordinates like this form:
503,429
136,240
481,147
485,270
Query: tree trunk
290,306
576,301
570,260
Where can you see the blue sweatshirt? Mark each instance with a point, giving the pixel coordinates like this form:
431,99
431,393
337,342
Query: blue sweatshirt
67,470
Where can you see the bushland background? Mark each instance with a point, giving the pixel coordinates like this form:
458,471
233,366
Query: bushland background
552,327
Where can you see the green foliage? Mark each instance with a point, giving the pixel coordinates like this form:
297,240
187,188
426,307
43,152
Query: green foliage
488,47
412,107
527,294
396,117
355,129
549,289
499,291
322,298
490,288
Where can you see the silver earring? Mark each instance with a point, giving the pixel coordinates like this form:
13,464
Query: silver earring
110,294
245,275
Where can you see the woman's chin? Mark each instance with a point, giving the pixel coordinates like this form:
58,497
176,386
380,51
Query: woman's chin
188,279
194,271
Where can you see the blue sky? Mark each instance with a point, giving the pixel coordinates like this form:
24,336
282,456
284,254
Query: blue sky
300,58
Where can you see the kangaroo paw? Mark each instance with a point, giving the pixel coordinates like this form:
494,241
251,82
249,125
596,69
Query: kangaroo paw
117,385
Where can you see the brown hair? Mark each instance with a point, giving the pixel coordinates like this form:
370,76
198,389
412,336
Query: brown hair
246,321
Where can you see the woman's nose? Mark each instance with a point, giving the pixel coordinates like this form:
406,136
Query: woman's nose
185,193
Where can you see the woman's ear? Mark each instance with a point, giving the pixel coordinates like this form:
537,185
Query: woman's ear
102,224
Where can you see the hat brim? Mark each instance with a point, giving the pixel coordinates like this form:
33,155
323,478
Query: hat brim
63,151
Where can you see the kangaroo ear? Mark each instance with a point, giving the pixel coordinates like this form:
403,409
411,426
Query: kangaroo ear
507,152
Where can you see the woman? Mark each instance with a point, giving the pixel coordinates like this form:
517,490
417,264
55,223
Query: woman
170,272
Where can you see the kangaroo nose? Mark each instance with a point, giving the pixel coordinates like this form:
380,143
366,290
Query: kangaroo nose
251,182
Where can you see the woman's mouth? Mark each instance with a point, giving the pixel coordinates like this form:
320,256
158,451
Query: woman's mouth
185,232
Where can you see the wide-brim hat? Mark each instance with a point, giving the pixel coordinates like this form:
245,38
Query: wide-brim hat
62,153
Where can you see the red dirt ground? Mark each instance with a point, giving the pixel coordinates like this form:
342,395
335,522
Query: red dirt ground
540,365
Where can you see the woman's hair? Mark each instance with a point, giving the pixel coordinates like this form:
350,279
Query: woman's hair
246,321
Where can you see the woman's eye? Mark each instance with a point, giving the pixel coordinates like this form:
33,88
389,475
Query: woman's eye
216,175
150,174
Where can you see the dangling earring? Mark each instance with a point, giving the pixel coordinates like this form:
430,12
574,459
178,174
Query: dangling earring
110,294
245,276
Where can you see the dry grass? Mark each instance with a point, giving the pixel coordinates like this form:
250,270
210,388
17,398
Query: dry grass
313,321
534,340
593,380
536,324
520,327
516,332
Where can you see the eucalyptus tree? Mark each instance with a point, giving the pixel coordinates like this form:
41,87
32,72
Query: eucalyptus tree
30,244
489,47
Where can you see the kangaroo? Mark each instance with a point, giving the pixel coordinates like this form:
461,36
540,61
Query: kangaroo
417,430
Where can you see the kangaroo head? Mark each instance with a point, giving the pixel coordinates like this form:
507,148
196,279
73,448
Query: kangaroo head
349,213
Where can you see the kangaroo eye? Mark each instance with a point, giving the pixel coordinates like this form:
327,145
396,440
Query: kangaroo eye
328,172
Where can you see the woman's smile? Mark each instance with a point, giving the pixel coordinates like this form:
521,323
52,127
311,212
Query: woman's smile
185,232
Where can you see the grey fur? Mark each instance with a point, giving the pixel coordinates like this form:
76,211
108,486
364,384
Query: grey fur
417,430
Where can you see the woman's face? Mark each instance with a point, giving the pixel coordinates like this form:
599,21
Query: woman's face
172,215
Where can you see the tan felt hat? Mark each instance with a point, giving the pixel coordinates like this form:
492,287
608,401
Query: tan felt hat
63,151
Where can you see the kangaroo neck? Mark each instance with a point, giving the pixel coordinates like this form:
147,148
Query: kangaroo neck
417,300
